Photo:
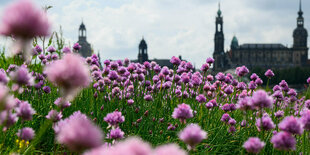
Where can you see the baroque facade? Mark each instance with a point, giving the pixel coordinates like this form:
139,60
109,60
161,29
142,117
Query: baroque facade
85,50
256,55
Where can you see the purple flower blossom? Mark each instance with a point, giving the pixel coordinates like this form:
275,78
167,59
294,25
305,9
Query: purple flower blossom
232,122
116,134
169,149
148,98
131,146
242,71
220,76
308,80
54,116
66,50
210,61
253,145
114,118
259,81
24,20
70,73
78,133
253,76
25,111
204,67
76,46
175,61
61,103
261,99
269,73
305,119
279,113
225,117
7,118
47,89
192,135
229,89
3,77
182,112
245,103
130,101
26,134
22,76
283,141
201,98
51,49
209,105
265,124
291,125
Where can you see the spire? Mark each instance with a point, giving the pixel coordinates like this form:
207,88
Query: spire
300,11
219,12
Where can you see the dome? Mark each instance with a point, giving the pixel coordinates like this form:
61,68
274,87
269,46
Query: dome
82,26
219,12
300,31
234,43
142,44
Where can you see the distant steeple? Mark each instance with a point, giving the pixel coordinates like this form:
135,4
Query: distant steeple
300,13
85,50
219,54
142,55
219,12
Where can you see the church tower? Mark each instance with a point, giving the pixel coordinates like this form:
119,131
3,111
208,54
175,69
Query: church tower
300,35
219,54
142,55
85,50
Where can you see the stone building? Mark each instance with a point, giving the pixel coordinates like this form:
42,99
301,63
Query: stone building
254,55
85,50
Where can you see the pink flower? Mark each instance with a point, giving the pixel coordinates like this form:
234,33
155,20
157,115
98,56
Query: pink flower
192,135
78,133
70,73
24,20
291,125
169,149
269,73
264,123
54,116
253,145
114,118
261,99
26,133
283,141
25,111
182,112
116,134
22,76
131,146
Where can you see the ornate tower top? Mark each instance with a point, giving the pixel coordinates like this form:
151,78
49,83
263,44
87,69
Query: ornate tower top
300,34
82,26
85,50
300,18
219,12
142,55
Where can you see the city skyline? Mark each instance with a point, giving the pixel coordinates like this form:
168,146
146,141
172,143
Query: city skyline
166,33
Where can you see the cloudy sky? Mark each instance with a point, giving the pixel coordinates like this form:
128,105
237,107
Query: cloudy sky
173,27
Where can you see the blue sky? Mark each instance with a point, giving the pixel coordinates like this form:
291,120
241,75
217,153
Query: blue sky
173,27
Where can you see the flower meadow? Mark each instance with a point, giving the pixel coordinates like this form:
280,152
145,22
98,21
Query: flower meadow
54,101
